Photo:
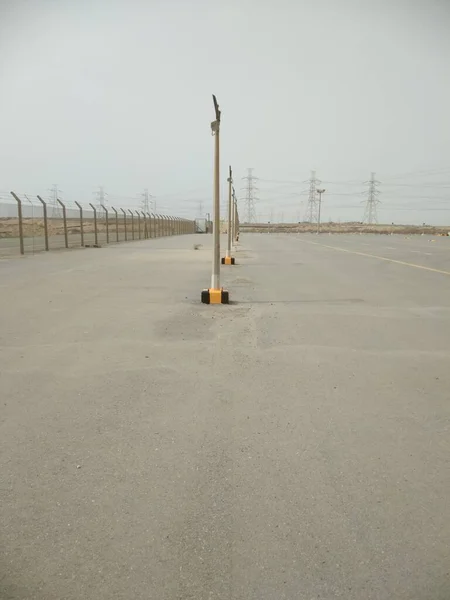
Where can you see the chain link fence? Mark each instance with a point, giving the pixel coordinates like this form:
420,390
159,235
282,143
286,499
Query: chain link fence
30,224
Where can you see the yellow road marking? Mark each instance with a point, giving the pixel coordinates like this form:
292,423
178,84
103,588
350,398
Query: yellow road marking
398,262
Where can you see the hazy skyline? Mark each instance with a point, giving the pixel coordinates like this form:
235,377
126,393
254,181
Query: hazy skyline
118,94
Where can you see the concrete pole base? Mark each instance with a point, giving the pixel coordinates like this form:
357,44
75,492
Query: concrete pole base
228,260
215,296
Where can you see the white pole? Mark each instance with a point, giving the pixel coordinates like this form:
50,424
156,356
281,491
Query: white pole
215,127
230,184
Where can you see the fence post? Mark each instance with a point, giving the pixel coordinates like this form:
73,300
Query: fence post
139,223
19,214
145,224
81,222
125,223
44,208
95,223
152,233
117,223
107,224
132,223
66,239
159,226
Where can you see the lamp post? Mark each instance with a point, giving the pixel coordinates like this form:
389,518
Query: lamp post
229,260
215,294
320,192
215,128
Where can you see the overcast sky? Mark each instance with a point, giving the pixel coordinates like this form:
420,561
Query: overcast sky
118,93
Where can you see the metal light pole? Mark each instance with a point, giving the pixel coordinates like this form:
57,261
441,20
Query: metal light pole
229,260
236,220
233,228
230,185
215,128
215,294
320,192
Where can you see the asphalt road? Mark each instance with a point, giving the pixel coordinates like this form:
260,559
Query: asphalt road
293,445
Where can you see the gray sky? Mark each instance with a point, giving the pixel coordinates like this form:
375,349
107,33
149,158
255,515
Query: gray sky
118,93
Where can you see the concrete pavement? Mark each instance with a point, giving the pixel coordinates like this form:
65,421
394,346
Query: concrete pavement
292,445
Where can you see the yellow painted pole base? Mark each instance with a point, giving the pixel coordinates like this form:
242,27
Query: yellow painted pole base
215,296
228,260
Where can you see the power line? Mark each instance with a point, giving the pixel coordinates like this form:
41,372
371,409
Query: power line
421,173
283,181
370,211
250,196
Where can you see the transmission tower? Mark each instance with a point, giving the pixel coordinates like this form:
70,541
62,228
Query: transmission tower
370,211
250,196
100,200
55,208
312,209
145,202
200,208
